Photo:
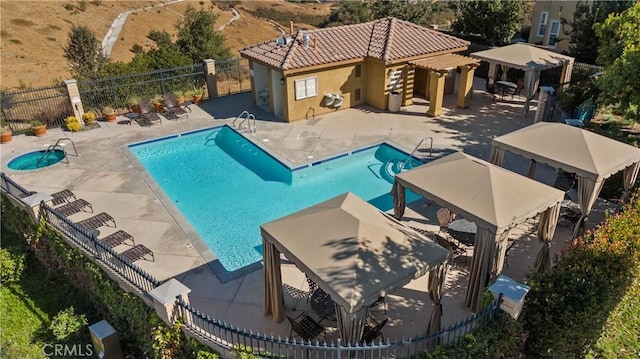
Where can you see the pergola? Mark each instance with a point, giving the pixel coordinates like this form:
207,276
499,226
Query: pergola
495,199
529,58
592,157
438,67
355,253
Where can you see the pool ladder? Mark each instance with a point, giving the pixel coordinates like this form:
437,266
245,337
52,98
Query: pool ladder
402,164
57,145
247,118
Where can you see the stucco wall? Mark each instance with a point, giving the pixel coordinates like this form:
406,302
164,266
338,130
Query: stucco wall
340,80
556,10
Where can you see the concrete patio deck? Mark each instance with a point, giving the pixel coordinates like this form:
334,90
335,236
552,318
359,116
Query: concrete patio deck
108,176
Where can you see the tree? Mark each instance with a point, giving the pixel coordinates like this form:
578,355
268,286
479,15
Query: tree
84,53
496,21
583,42
349,13
619,53
417,12
198,38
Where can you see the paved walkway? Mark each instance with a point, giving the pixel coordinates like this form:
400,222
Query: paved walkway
109,177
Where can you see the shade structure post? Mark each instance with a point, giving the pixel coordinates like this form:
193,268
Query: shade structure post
351,325
629,176
273,299
398,193
435,281
546,230
532,168
588,191
483,253
531,80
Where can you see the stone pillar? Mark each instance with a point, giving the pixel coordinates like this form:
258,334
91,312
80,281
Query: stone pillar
164,299
542,109
465,88
407,85
436,92
74,97
34,202
211,78
491,76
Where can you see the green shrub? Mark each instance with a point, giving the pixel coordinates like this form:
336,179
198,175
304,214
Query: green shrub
567,307
67,323
89,118
574,94
11,266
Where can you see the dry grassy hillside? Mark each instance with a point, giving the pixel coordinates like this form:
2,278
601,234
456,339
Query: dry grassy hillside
33,33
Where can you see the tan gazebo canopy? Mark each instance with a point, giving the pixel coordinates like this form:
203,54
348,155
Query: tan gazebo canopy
352,250
592,157
531,59
495,199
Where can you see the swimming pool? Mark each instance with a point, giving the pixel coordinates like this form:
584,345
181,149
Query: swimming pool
226,187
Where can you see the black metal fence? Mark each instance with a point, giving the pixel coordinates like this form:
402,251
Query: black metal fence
123,92
262,345
48,104
232,76
13,188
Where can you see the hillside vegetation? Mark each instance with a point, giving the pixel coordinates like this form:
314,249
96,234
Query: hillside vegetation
33,33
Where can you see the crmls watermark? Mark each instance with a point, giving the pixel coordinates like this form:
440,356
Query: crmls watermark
67,350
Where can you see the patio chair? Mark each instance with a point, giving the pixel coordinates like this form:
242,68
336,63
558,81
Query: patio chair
99,220
460,242
148,114
373,330
564,181
173,109
583,114
381,301
313,286
79,205
139,251
63,196
305,327
117,238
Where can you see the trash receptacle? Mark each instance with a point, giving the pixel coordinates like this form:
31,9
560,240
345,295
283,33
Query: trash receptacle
395,101
105,340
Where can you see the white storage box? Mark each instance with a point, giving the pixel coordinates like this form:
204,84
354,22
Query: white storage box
513,294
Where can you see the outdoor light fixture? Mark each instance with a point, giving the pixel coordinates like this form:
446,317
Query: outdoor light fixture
282,81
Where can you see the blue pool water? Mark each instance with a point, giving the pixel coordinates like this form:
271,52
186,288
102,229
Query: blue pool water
34,160
226,187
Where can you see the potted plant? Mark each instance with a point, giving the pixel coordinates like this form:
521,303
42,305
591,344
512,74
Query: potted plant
39,127
179,95
196,94
133,102
89,118
158,102
109,113
6,135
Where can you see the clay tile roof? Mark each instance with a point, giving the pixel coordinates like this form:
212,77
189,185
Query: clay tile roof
386,39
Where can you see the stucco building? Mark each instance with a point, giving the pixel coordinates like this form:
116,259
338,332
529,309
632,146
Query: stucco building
323,70
547,25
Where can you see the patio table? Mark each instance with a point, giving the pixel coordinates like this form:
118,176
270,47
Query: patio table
505,88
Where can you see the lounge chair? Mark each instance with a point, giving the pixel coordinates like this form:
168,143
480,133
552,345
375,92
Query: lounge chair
139,251
583,114
305,326
117,238
79,205
148,114
99,220
63,196
173,109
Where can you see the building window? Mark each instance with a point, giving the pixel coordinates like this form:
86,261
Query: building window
542,27
356,95
306,88
554,32
358,70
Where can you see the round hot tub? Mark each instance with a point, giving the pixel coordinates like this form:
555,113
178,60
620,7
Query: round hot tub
36,159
